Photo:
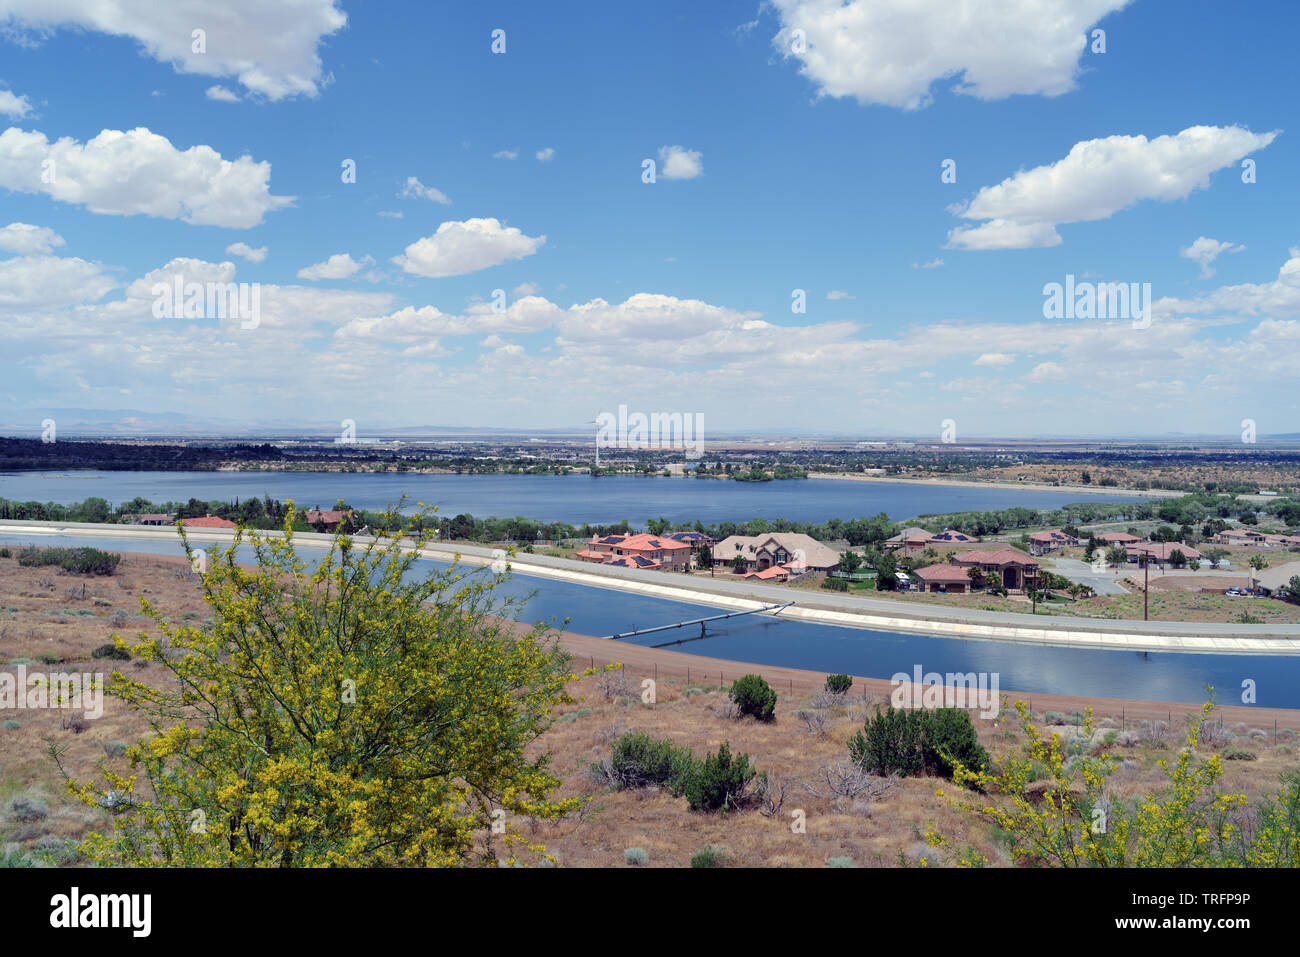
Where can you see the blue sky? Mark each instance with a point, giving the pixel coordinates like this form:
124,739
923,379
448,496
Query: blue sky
815,168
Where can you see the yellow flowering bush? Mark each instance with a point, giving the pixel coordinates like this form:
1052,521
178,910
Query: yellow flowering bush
354,714
1072,819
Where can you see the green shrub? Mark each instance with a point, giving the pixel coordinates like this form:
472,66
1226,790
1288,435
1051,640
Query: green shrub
1238,754
838,684
642,761
707,856
50,658
917,741
755,697
12,725
636,856
82,561
841,862
115,749
5,553
719,782
835,584
111,650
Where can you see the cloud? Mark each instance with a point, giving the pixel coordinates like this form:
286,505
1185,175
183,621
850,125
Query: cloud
1278,298
270,48
49,282
1097,179
506,154
247,252
837,294
995,359
545,155
25,239
390,214
221,94
139,172
677,162
458,248
414,189
891,52
338,266
1204,251
526,289
1047,372
932,264
13,106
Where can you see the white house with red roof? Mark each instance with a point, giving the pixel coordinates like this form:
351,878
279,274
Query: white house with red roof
642,550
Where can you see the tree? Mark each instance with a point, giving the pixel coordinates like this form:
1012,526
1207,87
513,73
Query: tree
753,696
1177,558
1216,556
1116,555
739,564
1292,590
354,715
704,556
658,526
850,562
1257,564
886,569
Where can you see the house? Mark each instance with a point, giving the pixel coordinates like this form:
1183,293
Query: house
778,573
154,518
331,520
1117,538
1240,536
208,521
943,578
694,539
1273,580
912,539
1159,552
1015,570
951,537
1040,543
662,551
776,548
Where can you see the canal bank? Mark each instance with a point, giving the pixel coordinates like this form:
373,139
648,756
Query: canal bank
850,611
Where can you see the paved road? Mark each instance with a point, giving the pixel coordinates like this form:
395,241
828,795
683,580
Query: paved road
1104,583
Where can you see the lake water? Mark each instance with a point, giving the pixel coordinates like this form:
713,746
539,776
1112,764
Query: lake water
1025,668
549,498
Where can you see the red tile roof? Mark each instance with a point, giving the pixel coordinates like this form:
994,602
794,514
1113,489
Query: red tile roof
208,521
942,573
1000,556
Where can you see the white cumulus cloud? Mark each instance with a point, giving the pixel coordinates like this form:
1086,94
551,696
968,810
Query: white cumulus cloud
139,172
414,189
14,106
1097,179
545,155
892,52
245,251
25,239
458,248
1205,250
221,94
677,162
271,48
338,266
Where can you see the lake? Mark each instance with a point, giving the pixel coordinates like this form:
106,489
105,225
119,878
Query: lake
549,498
1022,667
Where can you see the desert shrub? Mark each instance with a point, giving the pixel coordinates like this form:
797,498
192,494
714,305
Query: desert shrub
838,684
1238,754
12,725
5,553
707,856
915,742
642,761
889,743
28,810
719,782
840,862
110,650
755,697
636,856
115,749
835,584
81,561
50,658
1053,717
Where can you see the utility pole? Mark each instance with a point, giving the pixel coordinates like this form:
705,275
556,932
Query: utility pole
1146,585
